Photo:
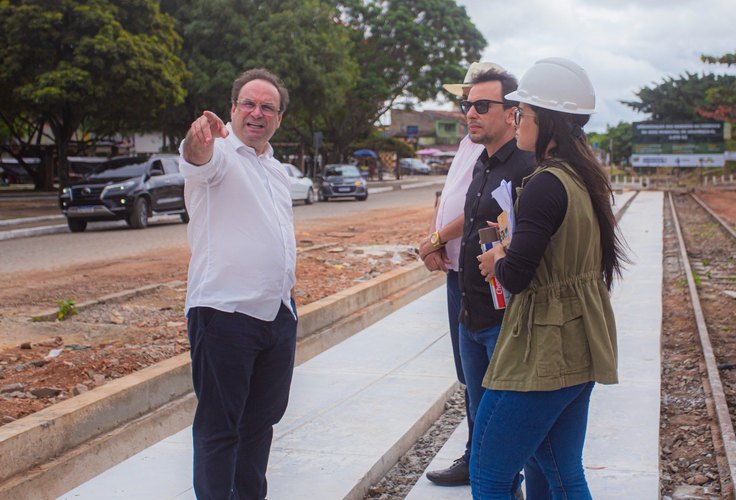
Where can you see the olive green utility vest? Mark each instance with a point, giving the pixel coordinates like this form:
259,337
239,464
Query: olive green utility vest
560,331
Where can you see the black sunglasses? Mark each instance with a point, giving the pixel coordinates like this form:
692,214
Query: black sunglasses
481,105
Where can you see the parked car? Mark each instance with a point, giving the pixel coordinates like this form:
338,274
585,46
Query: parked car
11,172
132,188
413,166
302,188
342,180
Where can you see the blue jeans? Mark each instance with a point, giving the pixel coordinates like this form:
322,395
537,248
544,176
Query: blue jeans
476,349
241,372
545,429
453,314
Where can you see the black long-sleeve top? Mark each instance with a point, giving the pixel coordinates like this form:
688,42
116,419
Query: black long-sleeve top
508,163
541,210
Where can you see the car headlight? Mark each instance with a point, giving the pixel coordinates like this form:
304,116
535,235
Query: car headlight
119,188
67,191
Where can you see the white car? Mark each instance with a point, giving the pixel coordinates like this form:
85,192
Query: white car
301,187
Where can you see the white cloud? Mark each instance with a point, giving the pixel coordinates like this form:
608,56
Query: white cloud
623,44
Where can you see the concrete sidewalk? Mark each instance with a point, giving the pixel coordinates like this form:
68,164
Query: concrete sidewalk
358,406
621,455
354,411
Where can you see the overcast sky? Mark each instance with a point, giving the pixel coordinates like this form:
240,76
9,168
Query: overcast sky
623,45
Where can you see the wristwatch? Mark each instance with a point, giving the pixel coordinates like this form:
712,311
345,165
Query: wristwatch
435,240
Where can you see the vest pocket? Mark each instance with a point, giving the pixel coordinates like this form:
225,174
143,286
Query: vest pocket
559,334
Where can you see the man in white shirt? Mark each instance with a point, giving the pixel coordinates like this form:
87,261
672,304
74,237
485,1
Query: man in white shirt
440,252
241,317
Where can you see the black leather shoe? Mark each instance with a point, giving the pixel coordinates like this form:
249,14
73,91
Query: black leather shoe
455,475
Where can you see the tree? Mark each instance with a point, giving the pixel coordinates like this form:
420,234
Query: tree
615,141
299,40
720,101
727,59
109,65
679,99
402,49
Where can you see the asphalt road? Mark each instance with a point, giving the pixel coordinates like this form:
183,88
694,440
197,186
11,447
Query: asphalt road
114,240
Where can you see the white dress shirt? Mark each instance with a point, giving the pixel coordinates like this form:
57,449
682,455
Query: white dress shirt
241,231
452,201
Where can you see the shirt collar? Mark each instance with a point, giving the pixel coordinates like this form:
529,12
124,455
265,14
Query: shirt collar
502,154
237,144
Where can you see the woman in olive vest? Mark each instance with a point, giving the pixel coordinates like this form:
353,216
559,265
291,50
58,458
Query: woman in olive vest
558,336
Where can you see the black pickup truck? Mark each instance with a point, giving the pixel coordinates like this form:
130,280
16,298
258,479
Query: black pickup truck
132,188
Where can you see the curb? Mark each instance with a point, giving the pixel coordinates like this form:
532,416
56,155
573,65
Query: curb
52,451
11,234
401,187
26,220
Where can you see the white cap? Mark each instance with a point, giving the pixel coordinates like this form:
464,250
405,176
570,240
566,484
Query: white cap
558,84
474,69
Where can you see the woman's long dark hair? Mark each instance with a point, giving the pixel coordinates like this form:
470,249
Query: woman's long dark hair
567,131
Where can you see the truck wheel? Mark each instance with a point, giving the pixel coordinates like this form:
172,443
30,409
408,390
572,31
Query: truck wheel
138,218
77,225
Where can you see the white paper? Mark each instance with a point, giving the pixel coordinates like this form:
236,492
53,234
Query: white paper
502,195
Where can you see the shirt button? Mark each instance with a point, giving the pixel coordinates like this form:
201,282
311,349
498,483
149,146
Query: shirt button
461,269
477,194
462,244
463,294
472,219
488,170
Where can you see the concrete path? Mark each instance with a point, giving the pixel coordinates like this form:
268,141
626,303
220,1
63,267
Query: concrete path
621,455
358,406
354,410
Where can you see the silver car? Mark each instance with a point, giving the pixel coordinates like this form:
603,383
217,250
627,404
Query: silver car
301,187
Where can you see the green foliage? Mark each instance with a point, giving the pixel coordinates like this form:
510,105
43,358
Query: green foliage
616,141
110,66
110,63
401,49
67,309
298,40
696,278
679,99
720,101
728,59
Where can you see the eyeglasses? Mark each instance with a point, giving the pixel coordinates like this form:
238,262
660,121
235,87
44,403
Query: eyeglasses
249,106
481,105
518,113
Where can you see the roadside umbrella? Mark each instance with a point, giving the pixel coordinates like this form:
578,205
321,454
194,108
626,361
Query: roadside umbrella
365,153
428,151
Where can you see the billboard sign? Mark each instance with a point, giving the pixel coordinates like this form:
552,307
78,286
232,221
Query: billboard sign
663,144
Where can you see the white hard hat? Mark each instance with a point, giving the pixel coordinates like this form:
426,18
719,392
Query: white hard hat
474,69
558,84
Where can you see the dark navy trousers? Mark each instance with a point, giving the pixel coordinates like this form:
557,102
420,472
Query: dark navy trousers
241,371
